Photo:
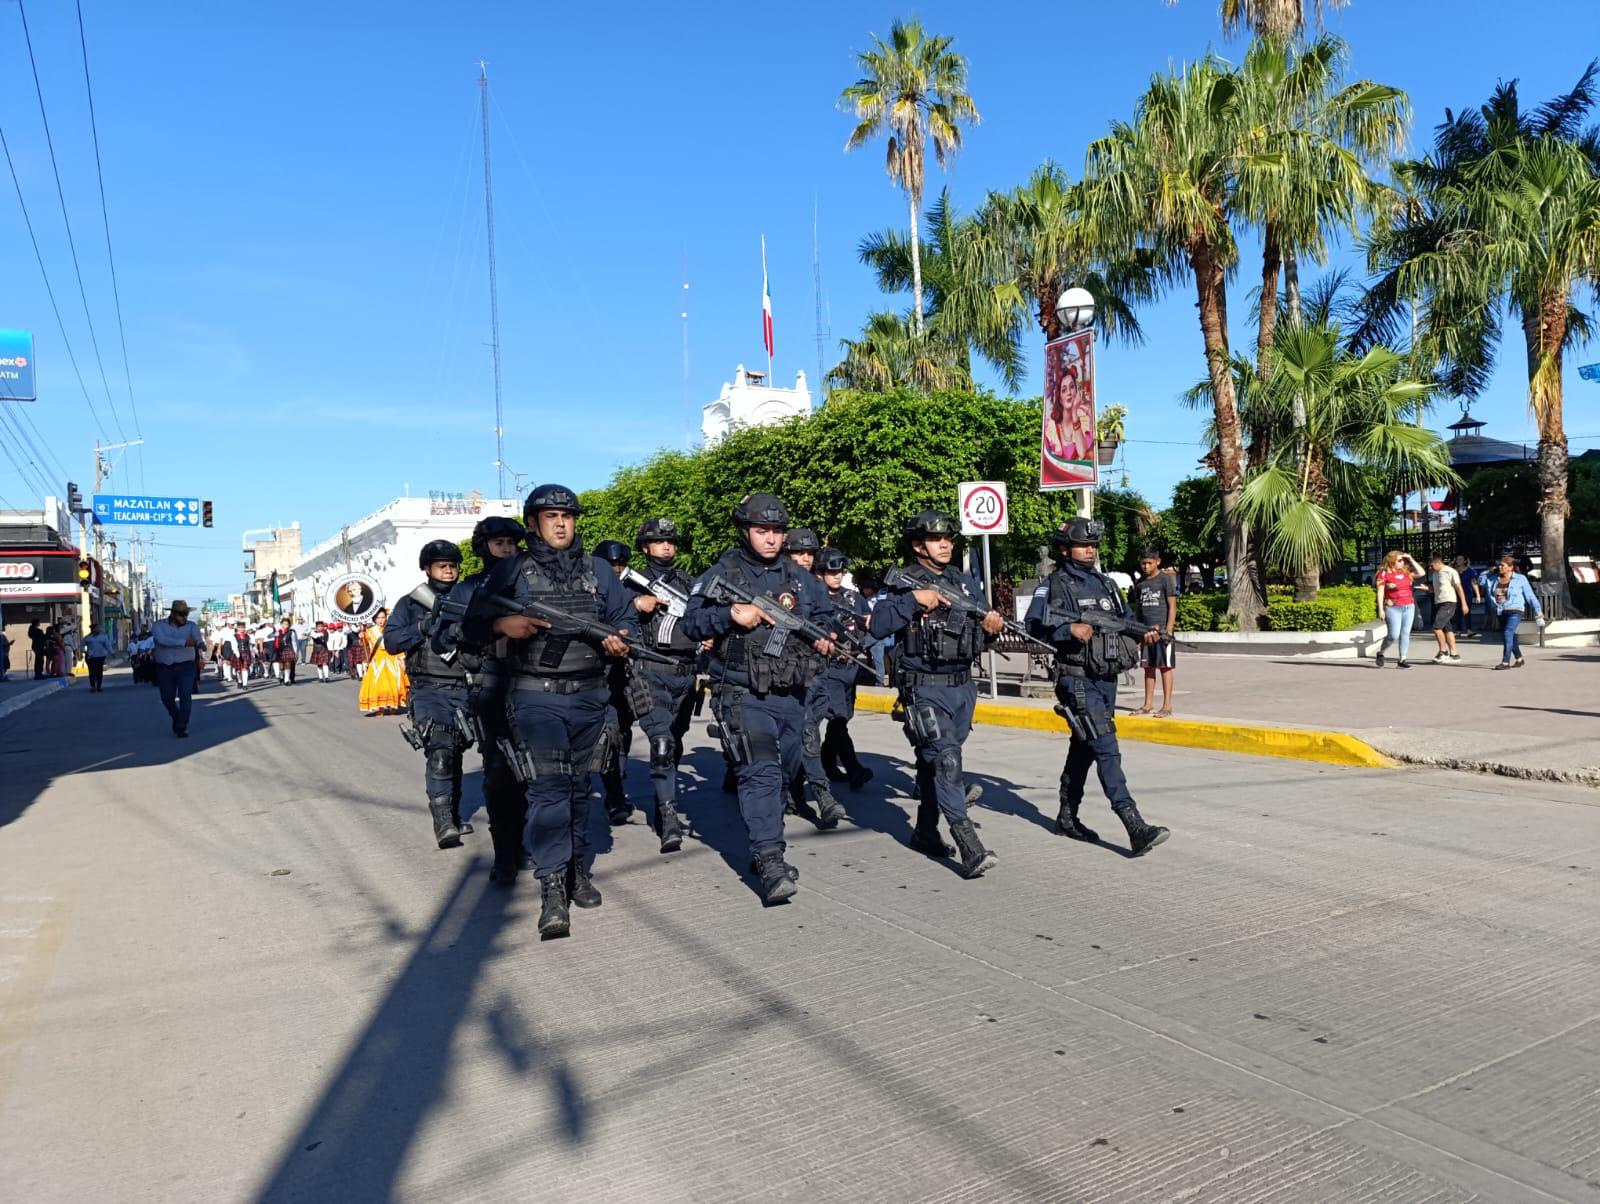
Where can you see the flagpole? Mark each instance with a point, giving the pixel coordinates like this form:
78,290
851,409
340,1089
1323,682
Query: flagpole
767,301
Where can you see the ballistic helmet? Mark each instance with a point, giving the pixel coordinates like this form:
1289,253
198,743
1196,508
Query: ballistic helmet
802,539
761,509
1081,531
657,528
931,522
436,550
551,497
832,560
496,526
613,551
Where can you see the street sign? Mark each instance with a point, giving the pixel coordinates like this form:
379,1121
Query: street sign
148,511
1590,372
983,508
16,366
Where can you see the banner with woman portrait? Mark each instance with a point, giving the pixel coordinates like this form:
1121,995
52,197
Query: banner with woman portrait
1066,444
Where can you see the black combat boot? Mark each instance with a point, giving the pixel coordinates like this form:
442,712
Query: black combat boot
830,765
1067,823
618,809
580,887
829,809
444,826
455,815
777,886
925,836
505,869
857,774
669,827
554,919
1142,837
975,859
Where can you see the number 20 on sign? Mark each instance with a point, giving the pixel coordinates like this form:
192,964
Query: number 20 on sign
983,508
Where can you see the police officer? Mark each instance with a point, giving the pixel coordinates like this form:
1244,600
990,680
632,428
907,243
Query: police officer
801,546
663,697
493,539
619,716
758,697
438,700
935,650
1088,661
558,692
832,698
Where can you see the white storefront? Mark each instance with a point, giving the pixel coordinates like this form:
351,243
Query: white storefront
385,545
750,401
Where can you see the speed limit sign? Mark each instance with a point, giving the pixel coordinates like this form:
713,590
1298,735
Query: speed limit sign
983,508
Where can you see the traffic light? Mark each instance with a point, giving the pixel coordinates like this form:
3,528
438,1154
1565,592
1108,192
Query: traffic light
205,511
84,573
74,498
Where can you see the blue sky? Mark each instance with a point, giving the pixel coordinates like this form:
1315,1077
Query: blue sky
296,208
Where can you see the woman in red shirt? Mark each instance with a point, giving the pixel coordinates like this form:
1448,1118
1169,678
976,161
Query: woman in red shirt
1397,605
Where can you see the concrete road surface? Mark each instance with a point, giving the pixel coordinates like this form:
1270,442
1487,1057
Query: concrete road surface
234,968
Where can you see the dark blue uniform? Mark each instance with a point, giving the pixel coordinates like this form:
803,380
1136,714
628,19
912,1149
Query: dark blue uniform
933,669
832,699
759,700
662,697
557,695
1087,688
438,694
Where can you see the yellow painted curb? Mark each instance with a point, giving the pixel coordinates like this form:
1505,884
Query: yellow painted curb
1299,744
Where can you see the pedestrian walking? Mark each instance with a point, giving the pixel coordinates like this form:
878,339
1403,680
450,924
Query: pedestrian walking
384,687
1512,599
1472,591
5,656
1397,604
1156,603
356,645
321,658
1449,599
95,650
935,647
286,650
178,645
36,646
1081,611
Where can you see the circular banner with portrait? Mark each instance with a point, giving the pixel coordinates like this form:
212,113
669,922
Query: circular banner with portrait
354,598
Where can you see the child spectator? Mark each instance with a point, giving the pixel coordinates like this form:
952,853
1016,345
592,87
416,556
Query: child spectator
1155,597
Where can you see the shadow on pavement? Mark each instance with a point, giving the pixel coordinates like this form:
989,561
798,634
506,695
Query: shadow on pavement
355,1140
125,726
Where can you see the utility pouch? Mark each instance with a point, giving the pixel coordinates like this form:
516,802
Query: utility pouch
600,757
640,700
923,723
727,729
555,647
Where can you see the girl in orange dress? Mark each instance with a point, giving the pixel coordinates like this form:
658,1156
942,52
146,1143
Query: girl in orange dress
384,686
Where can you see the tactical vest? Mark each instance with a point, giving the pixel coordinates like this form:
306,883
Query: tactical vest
422,661
1106,653
557,652
677,644
797,664
941,637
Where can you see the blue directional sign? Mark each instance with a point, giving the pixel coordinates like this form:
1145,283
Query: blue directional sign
16,366
1590,372
150,511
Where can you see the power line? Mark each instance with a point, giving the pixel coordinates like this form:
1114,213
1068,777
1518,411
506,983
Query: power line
72,245
48,288
105,221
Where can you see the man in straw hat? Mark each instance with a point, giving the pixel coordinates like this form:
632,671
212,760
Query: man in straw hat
178,647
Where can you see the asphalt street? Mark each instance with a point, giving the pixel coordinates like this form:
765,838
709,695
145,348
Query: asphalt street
233,967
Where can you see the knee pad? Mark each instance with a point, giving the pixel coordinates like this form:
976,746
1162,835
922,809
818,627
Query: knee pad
442,762
947,766
663,752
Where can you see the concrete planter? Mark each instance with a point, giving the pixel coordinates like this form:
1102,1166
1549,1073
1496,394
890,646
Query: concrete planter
1327,645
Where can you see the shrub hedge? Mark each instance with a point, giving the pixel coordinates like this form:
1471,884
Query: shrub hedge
1337,608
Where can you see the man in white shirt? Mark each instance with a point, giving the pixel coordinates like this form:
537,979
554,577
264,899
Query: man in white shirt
179,645
95,650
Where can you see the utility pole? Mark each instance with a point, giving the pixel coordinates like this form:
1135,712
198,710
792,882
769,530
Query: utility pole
494,284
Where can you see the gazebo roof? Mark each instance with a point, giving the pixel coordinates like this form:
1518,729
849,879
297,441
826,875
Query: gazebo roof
1473,450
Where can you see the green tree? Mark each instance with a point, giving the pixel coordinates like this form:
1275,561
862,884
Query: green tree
1283,20
913,88
1166,183
1507,215
1190,529
891,355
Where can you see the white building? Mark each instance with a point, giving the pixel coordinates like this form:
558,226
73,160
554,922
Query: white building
750,401
385,545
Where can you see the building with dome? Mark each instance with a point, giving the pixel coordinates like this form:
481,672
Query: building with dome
748,400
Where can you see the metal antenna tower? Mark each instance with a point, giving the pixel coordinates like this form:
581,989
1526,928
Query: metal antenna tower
816,288
494,283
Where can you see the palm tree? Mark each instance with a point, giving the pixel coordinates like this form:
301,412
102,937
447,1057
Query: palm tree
1042,230
1507,214
1283,20
968,283
1166,184
891,355
914,88
1341,417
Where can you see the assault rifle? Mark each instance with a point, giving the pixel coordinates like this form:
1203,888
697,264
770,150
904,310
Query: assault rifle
434,600
572,626
675,601
785,622
1105,620
964,604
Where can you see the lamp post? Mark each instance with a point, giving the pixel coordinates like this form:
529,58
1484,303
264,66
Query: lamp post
1075,311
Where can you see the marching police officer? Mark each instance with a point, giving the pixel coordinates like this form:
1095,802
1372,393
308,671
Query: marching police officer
662,697
619,717
758,696
558,690
801,546
488,679
1088,661
832,698
936,645
438,702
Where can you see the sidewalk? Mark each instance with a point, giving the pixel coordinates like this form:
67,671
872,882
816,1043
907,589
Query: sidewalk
1535,722
20,690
